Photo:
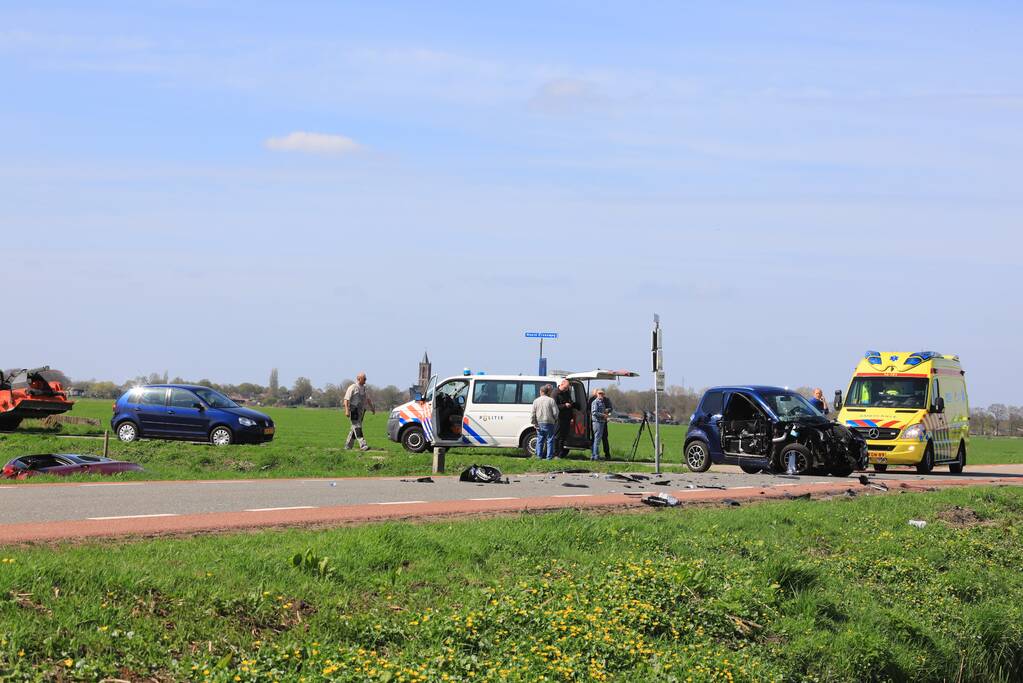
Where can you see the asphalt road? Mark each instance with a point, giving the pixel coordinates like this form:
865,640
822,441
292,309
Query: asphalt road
108,501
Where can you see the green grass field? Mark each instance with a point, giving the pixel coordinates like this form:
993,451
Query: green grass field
309,442
838,590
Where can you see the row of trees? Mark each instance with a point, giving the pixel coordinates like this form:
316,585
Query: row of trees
302,392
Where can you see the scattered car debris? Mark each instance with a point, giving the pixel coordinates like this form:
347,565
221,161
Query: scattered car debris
662,500
420,480
918,523
573,471
575,486
661,482
706,486
850,493
65,464
802,496
483,474
872,484
732,502
632,493
617,476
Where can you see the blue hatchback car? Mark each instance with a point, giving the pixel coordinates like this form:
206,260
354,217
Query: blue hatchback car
759,427
190,412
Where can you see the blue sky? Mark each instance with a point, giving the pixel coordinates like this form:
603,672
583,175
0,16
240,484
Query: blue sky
216,189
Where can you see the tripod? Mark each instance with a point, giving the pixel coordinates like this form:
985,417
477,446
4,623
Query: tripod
645,424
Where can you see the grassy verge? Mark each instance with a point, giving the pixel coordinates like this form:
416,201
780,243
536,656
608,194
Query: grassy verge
840,590
309,443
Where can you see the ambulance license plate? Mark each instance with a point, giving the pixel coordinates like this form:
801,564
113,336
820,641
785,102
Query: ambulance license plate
879,458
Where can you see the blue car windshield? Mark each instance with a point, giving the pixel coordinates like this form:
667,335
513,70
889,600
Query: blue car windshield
215,399
790,406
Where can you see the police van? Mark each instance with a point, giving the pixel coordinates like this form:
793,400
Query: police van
911,408
484,411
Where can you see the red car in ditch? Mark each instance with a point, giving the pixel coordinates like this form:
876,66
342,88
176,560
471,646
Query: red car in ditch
65,464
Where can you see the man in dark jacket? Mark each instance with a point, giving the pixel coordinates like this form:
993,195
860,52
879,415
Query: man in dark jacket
610,408
566,408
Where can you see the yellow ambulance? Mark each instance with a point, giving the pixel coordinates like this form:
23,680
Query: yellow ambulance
911,408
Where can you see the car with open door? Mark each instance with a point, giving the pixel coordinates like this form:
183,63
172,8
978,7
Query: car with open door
489,411
764,428
65,465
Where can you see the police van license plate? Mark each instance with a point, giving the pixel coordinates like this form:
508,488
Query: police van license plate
878,457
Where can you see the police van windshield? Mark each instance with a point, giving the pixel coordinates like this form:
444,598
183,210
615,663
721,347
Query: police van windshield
790,406
888,392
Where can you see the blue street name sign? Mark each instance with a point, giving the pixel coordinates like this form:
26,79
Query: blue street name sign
542,335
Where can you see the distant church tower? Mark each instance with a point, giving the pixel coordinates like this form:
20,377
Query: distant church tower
425,372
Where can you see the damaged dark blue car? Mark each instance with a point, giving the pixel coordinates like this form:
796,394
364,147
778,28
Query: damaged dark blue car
769,428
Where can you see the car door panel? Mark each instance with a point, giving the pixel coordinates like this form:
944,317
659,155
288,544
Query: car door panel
183,419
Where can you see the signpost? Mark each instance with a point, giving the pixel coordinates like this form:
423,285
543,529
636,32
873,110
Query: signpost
658,369
542,368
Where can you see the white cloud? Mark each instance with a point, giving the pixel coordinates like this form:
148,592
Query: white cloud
313,143
564,95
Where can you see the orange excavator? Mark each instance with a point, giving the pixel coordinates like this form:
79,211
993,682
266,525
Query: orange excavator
29,394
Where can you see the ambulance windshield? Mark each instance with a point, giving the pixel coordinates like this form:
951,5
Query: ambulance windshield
888,392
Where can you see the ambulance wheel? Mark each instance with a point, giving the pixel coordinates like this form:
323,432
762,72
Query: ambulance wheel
803,459
751,469
9,424
957,466
413,439
880,467
697,456
927,464
528,443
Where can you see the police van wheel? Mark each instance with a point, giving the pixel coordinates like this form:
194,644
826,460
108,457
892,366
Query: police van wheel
880,467
927,464
751,469
528,443
413,440
957,466
697,456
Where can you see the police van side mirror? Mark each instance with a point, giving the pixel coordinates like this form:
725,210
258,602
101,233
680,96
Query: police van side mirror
939,405
837,404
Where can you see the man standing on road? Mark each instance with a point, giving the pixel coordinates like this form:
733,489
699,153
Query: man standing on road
598,413
545,419
566,408
610,409
356,402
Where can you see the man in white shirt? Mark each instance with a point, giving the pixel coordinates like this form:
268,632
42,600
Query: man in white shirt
356,402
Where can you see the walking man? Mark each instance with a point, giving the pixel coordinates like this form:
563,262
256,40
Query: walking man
566,408
545,419
599,412
356,402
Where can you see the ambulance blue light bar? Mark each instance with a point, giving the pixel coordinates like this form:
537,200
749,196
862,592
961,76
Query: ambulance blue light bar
873,357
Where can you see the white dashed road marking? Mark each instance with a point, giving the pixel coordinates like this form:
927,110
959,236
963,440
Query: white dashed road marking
402,502
293,507
504,498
